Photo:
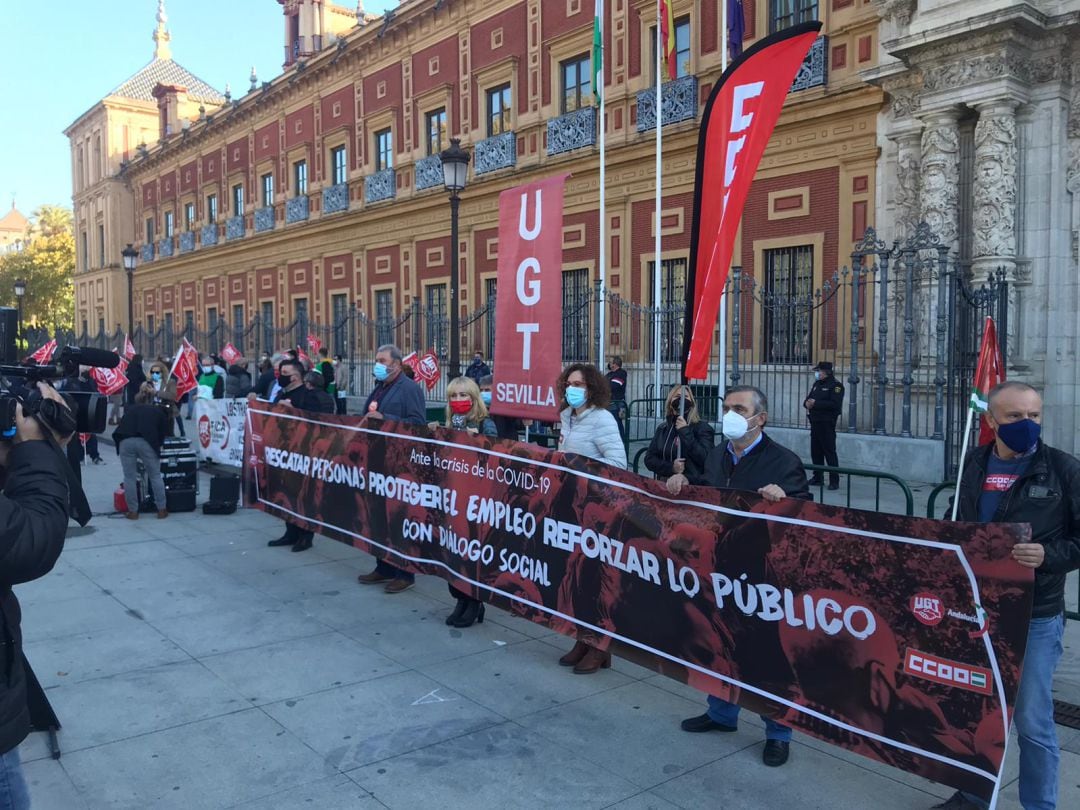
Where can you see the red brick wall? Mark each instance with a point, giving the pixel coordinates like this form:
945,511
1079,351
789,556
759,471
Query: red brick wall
633,24
168,186
189,177
710,26
211,167
512,22
236,155
149,194
266,142
554,21
642,240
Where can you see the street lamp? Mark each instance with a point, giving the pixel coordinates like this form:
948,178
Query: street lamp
130,257
455,167
20,291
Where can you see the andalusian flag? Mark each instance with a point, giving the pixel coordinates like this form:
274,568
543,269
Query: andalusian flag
598,50
989,372
667,38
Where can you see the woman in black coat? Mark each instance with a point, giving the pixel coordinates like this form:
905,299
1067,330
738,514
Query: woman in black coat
676,434
136,377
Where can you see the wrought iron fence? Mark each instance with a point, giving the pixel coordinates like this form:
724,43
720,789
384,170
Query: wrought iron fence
901,325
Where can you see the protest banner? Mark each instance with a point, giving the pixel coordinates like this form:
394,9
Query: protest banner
898,638
528,330
220,429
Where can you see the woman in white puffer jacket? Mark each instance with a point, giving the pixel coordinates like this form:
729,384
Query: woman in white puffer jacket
588,429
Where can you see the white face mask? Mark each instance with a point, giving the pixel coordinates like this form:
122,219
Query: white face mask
735,425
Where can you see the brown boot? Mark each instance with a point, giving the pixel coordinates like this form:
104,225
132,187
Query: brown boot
162,513
594,660
571,658
132,515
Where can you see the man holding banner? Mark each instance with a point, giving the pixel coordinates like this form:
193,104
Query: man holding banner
1018,479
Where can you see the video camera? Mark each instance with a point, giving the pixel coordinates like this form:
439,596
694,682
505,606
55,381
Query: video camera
18,384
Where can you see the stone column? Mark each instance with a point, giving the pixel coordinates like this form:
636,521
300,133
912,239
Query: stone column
939,195
908,211
994,195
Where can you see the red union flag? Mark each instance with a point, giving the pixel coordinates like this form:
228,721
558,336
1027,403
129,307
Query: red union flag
111,380
736,126
989,372
529,327
427,369
129,348
302,356
186,369
230,354
45,353
314,343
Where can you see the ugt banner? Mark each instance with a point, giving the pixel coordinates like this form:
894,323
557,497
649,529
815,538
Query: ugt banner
736,125
528,330
859,628
220,426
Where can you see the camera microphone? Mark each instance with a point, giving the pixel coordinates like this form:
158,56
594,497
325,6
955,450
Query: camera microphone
89,356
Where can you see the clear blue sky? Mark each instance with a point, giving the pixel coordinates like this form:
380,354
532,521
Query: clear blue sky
58,59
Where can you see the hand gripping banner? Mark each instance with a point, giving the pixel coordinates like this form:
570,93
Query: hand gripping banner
738,121
897,638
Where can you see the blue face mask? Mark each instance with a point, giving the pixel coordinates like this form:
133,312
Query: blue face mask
155,376
486,397
1020,436
575,397
381,371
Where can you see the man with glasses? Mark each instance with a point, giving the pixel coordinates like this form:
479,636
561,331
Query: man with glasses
748,460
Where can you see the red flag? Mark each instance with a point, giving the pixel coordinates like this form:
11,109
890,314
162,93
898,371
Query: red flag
410,360
667,38
427,369
738,121
230,354
989,372
186,369
302,357
129,348
528,330
45,353
314,343
111,380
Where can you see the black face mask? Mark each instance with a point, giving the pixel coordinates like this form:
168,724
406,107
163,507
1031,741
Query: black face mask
284,380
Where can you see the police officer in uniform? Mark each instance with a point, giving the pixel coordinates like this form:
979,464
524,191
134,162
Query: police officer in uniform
823,405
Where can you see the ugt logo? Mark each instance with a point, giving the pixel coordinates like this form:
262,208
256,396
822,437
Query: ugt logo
927,608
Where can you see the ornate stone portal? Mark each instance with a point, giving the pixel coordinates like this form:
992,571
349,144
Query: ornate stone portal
995,188
940,190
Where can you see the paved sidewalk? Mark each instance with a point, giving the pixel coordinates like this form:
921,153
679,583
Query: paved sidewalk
193,667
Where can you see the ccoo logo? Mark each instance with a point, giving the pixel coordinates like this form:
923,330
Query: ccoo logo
927,608
204,431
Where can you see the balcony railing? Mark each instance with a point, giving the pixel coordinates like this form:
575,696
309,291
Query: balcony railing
296,209
264,219
187,241
429,172
146,253
814,71
678,102
208,235
165,247
496,152
335,198
572,131
234,228
382,185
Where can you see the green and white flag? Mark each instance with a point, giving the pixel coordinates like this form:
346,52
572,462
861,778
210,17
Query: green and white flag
598,50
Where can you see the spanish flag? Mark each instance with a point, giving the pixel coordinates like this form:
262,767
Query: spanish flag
667,37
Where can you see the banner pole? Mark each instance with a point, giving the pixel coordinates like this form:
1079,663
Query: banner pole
657,292
963,457
721,368
599,90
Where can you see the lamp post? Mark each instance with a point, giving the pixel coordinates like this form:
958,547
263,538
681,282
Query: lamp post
455,167
130,259
20,291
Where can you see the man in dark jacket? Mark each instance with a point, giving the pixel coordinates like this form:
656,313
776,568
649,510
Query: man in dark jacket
477,369
823,406
395,397
319,399
616,379
33,521
750,461
265,384
1018,479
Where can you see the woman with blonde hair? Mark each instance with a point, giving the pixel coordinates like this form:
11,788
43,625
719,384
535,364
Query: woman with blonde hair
465,410
681,433
165,390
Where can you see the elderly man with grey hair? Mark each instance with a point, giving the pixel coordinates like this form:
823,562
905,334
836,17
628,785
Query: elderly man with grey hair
399,398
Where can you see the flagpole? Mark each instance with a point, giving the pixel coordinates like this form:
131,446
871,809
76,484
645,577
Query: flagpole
722,320
659,188
963,457
599,90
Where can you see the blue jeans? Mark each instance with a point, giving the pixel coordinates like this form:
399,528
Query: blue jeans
14,794
720,711
1033,716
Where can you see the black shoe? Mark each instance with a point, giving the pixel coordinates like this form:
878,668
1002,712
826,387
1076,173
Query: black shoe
814,482
284,540
704,723
303,544
834,487
473,613
956,802
776,753
451,620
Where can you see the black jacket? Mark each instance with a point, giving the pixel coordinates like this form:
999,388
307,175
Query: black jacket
265,384
148,422
33,520
237,382
768,463
617,383
662,451
400,399
1047,496
320,401
477,370
136,377
828,396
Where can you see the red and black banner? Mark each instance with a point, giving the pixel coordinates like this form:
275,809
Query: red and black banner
736,125
898,638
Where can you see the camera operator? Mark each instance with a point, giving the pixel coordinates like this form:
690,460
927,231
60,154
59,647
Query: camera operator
33,521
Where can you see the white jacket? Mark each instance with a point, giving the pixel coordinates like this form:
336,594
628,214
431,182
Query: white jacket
593,433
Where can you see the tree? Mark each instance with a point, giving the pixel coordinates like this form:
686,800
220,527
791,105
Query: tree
47,265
